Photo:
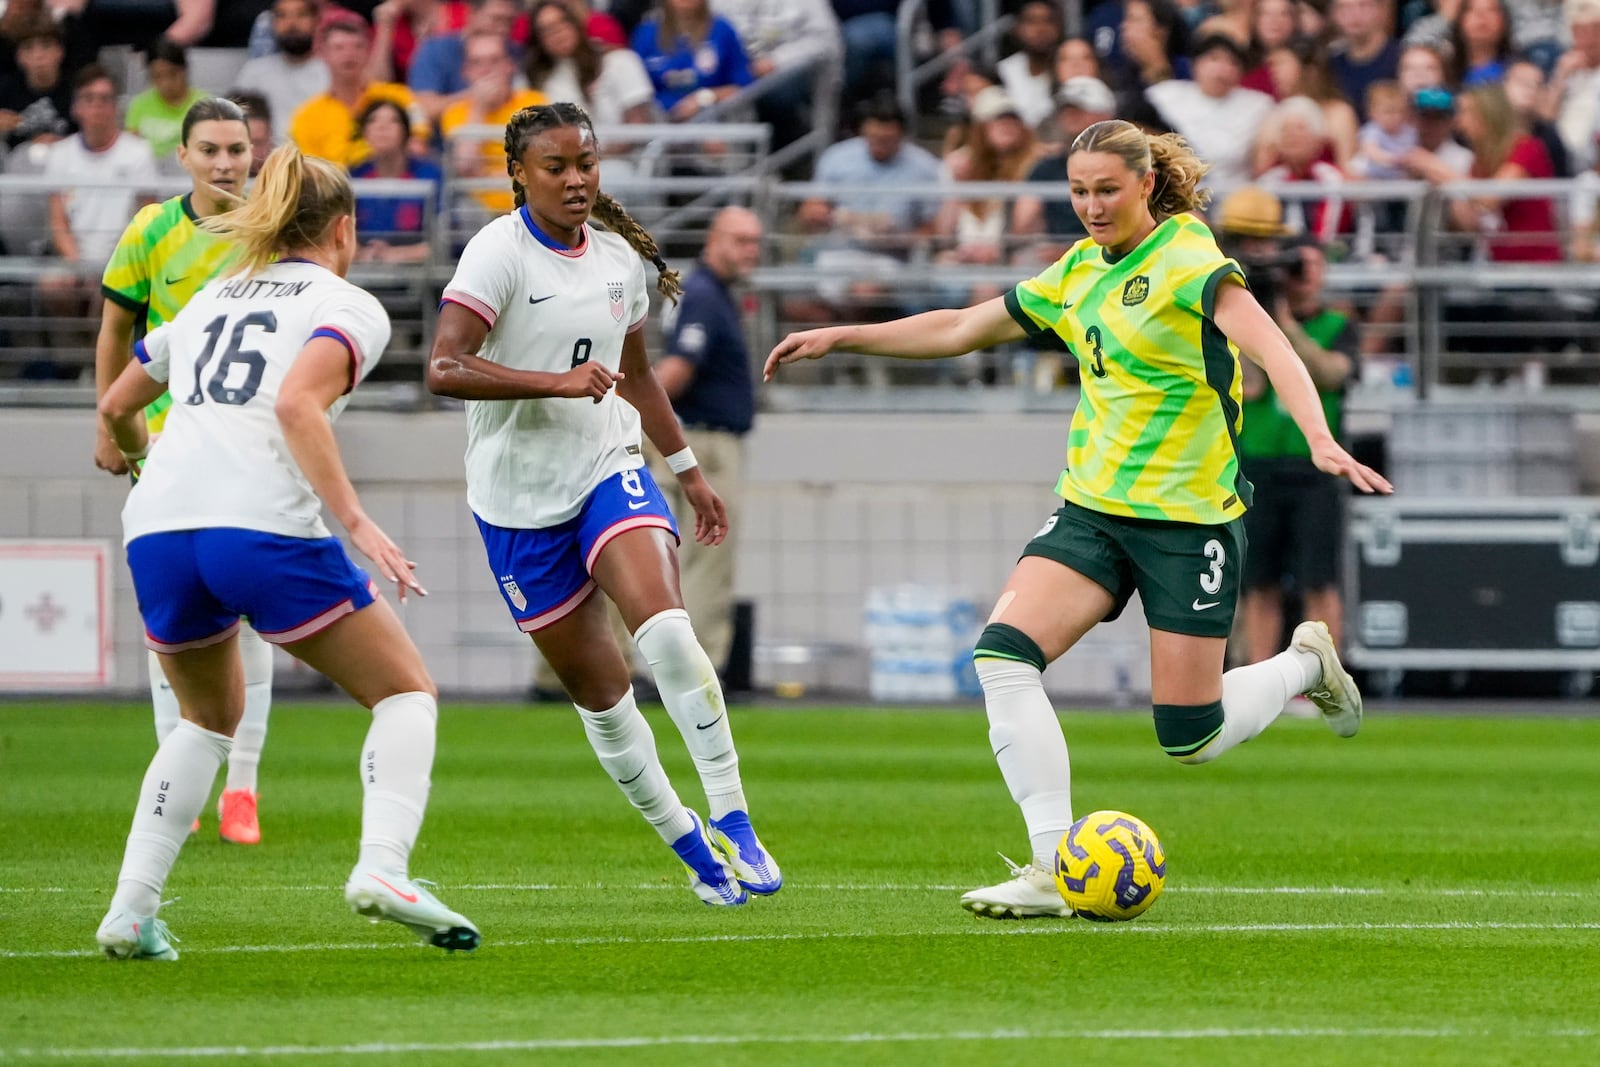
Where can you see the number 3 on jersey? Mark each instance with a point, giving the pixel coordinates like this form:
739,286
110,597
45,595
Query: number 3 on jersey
1098,363
254,362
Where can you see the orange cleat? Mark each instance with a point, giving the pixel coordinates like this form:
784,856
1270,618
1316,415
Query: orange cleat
236,810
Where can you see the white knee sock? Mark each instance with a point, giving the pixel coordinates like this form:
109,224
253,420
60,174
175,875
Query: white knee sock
1031,750
163,699
1254,696
396,762
689,688
622,739
251,735
175,789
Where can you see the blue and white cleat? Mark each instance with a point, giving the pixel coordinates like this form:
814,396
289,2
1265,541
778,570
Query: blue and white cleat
736,839
380,895
126,936
711,877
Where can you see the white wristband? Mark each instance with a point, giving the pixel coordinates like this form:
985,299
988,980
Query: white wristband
682,460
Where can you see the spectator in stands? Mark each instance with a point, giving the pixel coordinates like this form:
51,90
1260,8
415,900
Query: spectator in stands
695,58
325,125
183,22
1080,103
706,373
1575,86
1027,75
491,100
399,27
1388,136
1154,39
1430,28
258,120
1364,51
1525,88
1273,28
291,75
1480,43
1219,119
392,229
86,222
156,114
562,62
1294,522
999,147
1311,20
784,40
436,76
36,103
1300,132
1422,66
1514,230
24,17
878,156
1076,58
868,29
1301,69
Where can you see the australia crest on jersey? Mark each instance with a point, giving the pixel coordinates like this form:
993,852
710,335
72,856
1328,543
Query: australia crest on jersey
1136,290
614,291
514,594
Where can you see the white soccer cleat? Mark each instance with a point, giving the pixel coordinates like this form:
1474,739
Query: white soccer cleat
736,840
1336,695
711,876
1030,893
379,895
126,936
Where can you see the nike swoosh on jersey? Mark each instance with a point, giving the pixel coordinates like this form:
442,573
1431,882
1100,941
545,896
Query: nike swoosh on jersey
1201,607
175,281
541,299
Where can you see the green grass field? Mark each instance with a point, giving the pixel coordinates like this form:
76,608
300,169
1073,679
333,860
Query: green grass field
1425,893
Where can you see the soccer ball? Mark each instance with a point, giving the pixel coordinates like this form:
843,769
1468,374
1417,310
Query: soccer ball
1110,867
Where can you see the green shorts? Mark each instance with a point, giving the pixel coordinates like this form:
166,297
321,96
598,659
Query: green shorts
1187,575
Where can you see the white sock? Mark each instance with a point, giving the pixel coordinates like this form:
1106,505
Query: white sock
1254,696
251,736
396,762
622,739
689,688
1031,750
163,699
175,789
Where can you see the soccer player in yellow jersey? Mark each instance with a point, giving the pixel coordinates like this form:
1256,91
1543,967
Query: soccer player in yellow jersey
161,261
1152,492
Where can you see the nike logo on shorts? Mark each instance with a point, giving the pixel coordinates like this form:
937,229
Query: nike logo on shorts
635,505
1201,607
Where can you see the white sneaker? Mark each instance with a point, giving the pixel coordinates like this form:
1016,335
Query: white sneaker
1336,695
1030,893
126,936
402,900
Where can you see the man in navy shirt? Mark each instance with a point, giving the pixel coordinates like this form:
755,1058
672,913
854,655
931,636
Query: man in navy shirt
707,373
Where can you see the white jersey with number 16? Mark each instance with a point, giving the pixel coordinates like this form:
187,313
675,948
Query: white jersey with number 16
221,459
532,463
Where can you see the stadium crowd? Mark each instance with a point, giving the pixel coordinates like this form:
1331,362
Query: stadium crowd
1282,91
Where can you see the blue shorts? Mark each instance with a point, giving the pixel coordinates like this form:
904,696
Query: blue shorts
544,574
194,585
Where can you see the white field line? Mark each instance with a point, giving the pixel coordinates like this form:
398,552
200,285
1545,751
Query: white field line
555,1044
895,887
994,929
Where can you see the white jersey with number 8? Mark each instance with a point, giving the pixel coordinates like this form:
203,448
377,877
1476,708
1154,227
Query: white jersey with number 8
222,460
532,463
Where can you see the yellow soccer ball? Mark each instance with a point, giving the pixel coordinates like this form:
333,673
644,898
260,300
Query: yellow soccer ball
1110,867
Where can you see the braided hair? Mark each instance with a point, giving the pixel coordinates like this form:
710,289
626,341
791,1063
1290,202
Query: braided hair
527,124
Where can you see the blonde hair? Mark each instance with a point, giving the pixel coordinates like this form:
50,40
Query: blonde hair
1501,128
295,199
1177,169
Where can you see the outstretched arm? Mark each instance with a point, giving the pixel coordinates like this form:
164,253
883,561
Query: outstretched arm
930,335
1247,325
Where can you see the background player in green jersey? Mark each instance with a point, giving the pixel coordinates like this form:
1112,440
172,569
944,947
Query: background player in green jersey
1153,493
161,261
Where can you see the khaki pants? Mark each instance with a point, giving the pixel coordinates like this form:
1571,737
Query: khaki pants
706,572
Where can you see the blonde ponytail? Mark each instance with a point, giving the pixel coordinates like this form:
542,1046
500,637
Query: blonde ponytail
295,199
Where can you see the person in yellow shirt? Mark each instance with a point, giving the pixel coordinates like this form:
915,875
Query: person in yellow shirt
325,125
491,100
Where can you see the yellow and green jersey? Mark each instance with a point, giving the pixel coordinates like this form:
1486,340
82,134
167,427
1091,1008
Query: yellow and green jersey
161,261
1155,433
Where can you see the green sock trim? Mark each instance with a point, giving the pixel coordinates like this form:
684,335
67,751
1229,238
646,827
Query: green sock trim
999,641
1184,729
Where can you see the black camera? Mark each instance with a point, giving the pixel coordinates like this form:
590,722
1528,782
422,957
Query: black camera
1269,272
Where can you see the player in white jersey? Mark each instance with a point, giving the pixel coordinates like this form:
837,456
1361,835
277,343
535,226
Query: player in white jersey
539,323
226,522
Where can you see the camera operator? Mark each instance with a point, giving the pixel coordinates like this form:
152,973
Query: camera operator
1295,523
